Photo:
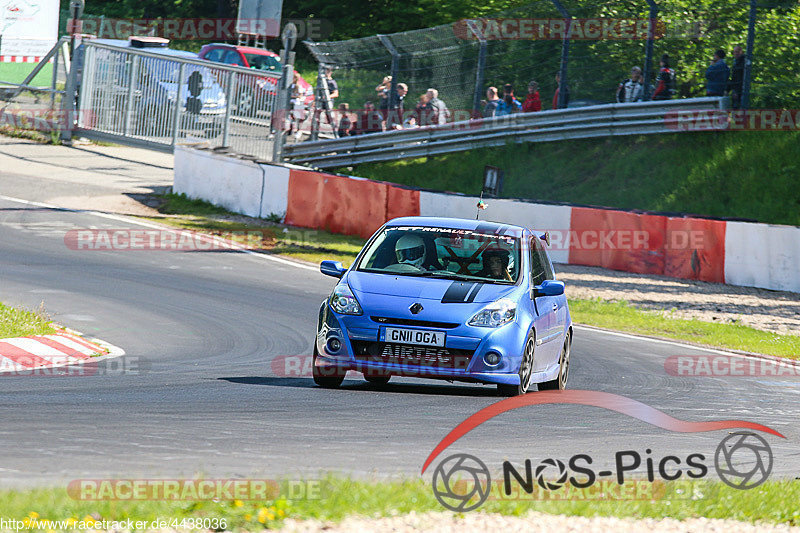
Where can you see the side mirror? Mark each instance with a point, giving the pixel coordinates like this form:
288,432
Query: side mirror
549,287
335,269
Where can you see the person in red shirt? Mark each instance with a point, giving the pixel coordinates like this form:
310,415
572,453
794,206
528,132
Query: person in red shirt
558,88
532,101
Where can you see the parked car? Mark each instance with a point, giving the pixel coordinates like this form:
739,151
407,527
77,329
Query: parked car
445,298
254,96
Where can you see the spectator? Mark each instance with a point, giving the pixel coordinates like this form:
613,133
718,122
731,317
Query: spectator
415,119
491,102
508,104
383,90
632,89
369,121
333,87
736,85
665,82
565,103
532,102
345,124
717,75
394,107
436,111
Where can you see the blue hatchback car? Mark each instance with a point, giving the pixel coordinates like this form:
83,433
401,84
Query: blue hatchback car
445,298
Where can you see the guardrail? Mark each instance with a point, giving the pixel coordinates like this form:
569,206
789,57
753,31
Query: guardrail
577,123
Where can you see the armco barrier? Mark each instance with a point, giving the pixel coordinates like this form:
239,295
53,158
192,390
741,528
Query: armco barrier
748,254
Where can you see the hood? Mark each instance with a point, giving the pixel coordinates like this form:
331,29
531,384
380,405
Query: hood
444,291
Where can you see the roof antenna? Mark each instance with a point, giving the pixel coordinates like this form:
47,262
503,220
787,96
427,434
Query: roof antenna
481,205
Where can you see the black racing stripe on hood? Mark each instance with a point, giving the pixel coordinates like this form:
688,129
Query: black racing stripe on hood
457,292
474,292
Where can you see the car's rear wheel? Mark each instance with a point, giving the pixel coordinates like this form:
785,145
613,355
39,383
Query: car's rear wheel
525,371
326,377
560,383
377,380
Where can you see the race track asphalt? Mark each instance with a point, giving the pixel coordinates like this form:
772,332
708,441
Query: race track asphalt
200,330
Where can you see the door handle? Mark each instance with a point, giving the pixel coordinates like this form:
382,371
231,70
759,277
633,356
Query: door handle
555,307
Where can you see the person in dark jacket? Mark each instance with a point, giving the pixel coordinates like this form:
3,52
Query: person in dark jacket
632,89
717,75
665,82
368,121
736,84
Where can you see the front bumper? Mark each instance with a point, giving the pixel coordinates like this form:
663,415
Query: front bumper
461,359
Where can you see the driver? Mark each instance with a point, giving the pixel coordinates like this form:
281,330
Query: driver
410,250
495,264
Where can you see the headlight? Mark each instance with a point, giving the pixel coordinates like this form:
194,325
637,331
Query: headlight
495,314
343,301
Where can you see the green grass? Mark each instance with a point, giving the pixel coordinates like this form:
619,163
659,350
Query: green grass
259,234
624,317
315,246
774,501
20,323
17,72
750,175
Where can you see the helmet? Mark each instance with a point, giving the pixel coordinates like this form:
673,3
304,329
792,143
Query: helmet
410,250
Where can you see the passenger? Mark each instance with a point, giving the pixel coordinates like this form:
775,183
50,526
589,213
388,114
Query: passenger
495,264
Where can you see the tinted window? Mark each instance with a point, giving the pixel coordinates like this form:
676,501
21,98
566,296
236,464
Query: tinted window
215,55
232,57
262,62
541,269
442,252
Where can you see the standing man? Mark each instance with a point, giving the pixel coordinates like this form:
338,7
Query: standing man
436,110
394,111
736,85
717,75
558,89
632,89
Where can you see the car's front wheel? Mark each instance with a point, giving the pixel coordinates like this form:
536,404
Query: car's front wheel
326,377
560,383
525,371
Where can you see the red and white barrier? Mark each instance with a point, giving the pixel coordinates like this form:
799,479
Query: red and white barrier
44,351
755,255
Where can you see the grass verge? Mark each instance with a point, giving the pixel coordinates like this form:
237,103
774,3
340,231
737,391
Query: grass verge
314,246
774,502
714,174
20,323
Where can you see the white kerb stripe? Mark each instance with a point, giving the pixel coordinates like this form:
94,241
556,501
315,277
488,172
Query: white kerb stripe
35,347
66,341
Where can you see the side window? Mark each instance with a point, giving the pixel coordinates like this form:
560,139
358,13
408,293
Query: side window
541,269
232,57
215,55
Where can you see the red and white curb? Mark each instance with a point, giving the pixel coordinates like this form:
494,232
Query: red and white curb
63,348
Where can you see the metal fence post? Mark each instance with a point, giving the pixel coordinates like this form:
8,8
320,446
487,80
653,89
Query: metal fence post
648,55
228,94
319,101
562,85
395,68
480,68
289,37
748,58
131,92
176,114
68,100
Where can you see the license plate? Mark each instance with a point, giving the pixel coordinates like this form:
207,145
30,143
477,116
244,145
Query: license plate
415,336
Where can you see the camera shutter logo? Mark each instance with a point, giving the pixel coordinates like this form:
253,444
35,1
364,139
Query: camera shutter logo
560,479
743,460
469,472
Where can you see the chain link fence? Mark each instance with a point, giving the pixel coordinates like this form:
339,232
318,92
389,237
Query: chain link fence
605,42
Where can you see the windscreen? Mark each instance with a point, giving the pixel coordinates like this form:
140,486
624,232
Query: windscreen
444,253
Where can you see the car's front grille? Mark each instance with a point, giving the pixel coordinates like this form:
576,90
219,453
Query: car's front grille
413,322
412,355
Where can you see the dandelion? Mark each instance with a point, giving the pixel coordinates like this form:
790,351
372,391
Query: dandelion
238,503
262,514
33,515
